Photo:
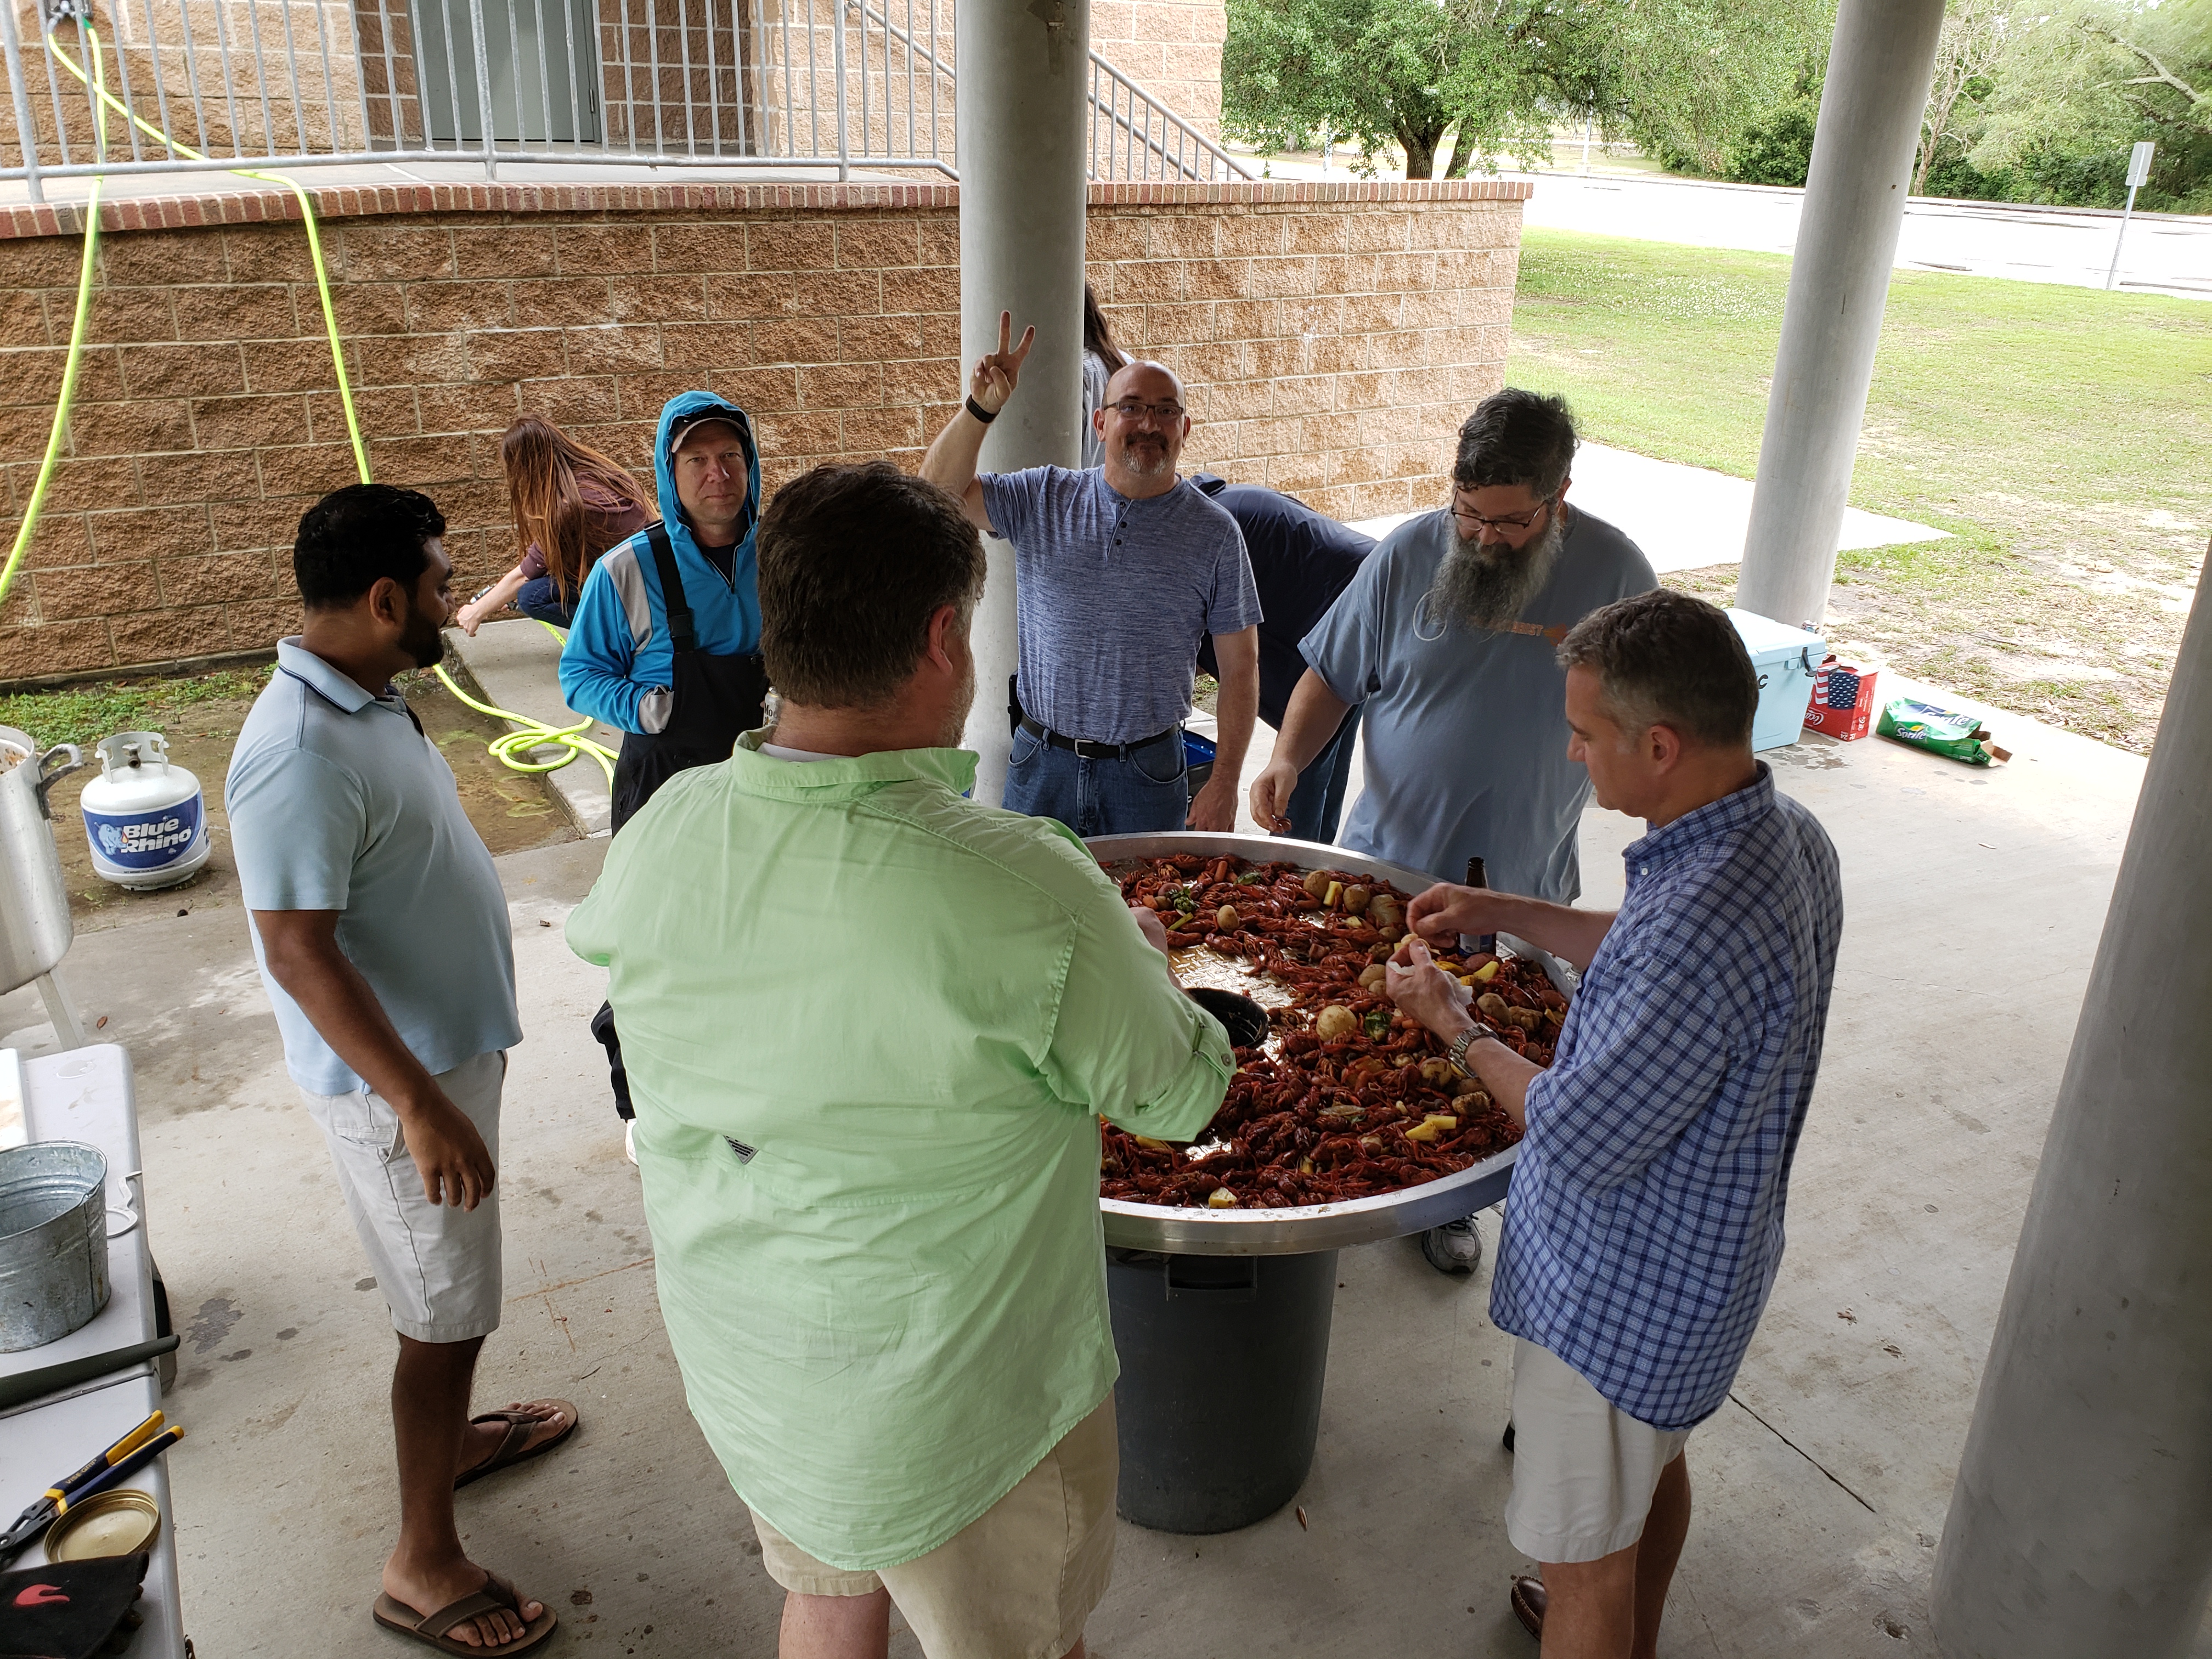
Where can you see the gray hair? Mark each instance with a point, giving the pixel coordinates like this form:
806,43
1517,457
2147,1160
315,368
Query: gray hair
1665,658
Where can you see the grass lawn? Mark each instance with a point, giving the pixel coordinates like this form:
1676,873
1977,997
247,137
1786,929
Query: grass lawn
2063,436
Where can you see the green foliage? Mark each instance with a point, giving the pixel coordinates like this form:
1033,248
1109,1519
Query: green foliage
2068,93
1686,78
1776,149
87,714
1681,76
1379,73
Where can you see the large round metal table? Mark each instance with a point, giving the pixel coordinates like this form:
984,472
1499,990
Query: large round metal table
1222,1316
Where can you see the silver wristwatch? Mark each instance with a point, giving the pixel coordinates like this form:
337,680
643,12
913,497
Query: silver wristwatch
1474,1033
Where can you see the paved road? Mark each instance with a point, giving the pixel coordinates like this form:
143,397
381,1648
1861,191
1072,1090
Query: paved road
2162,254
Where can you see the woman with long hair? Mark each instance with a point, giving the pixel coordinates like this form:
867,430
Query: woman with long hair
1100,357
571,504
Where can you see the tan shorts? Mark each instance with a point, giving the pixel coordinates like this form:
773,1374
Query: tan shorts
1584,1470
1017,1582
438,1265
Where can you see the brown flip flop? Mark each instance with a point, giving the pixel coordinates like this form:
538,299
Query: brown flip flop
509,1451
430,1628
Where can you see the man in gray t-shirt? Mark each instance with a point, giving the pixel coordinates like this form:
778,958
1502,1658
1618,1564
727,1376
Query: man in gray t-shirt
1119,573
1446,640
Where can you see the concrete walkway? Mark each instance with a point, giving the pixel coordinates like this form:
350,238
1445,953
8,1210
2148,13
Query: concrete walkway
1686,518
1974,899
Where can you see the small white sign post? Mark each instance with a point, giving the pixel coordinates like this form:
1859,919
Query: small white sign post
2138,176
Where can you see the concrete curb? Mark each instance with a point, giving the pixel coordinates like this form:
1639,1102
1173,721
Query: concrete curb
516,665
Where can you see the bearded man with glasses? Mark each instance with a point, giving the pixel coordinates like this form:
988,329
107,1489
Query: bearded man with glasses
1119,573
1446,641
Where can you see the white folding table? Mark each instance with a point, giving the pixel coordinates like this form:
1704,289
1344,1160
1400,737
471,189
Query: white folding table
85,1095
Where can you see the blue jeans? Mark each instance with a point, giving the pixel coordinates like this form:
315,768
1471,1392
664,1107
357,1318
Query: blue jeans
1317,804
540,600
1147,793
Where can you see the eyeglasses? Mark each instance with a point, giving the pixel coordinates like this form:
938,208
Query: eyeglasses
1130,408
1514,521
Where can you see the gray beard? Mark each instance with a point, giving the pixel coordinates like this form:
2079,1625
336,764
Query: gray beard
1488,587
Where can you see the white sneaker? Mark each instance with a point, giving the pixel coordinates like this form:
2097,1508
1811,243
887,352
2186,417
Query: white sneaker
629,1151
1454,1248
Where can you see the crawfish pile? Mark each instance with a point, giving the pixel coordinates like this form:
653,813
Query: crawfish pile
1348,1097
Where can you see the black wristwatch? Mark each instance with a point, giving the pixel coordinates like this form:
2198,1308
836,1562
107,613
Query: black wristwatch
1474,1033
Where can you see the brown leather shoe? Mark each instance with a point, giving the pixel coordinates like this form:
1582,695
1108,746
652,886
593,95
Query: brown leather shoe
1528,1603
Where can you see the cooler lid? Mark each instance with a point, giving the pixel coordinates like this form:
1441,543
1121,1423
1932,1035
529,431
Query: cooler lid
1768,640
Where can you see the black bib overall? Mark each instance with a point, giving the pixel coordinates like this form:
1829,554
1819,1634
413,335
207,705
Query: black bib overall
716,700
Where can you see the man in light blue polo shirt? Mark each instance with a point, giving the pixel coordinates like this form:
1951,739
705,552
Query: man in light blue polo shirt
1119,573
377,918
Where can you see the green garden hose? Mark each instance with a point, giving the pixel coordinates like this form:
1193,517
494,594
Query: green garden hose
37,504
513,751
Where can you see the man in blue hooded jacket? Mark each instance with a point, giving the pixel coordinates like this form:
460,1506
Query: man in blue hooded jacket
666,645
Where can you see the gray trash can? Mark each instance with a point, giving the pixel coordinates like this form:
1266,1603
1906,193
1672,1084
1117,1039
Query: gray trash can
1223,1359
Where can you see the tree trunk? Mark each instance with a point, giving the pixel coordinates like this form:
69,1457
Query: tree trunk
1420,144
1462,153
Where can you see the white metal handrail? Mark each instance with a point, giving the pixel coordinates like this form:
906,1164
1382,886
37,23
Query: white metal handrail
1142,138
752,83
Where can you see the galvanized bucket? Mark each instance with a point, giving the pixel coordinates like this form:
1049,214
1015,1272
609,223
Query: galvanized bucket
53,1242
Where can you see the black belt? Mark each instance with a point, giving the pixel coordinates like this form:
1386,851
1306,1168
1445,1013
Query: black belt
1089,750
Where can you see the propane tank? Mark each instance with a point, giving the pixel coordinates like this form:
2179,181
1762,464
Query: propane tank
143,815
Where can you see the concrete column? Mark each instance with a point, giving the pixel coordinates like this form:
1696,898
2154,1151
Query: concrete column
1879,66
2082,1521
1023,125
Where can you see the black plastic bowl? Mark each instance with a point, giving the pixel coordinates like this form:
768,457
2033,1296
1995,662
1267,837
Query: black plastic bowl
1245,1020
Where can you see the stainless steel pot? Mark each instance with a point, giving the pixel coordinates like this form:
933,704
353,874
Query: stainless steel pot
1178,1231
34,914
53,1242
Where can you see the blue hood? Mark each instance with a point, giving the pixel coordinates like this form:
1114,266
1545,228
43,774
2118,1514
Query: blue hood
618,664
663,474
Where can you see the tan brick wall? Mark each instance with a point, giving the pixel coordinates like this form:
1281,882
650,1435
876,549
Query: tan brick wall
1333,338
1171,48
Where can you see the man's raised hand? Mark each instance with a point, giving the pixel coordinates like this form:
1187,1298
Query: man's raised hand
996,372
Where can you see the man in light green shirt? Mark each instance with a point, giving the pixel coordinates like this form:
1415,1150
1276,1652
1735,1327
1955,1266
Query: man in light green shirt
870,1027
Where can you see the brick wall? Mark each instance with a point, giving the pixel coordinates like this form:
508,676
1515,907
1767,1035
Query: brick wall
1171,48
1333,334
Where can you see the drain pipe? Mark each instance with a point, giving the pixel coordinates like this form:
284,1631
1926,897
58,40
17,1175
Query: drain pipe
1019,109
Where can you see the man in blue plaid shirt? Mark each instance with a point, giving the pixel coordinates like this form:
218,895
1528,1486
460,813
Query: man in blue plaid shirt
1644,1226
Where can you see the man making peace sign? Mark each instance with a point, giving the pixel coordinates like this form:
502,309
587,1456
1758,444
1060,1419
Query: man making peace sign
1118,574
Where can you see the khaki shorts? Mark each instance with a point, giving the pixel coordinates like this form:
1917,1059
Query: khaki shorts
1017,1582
437,1264
1584,1470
